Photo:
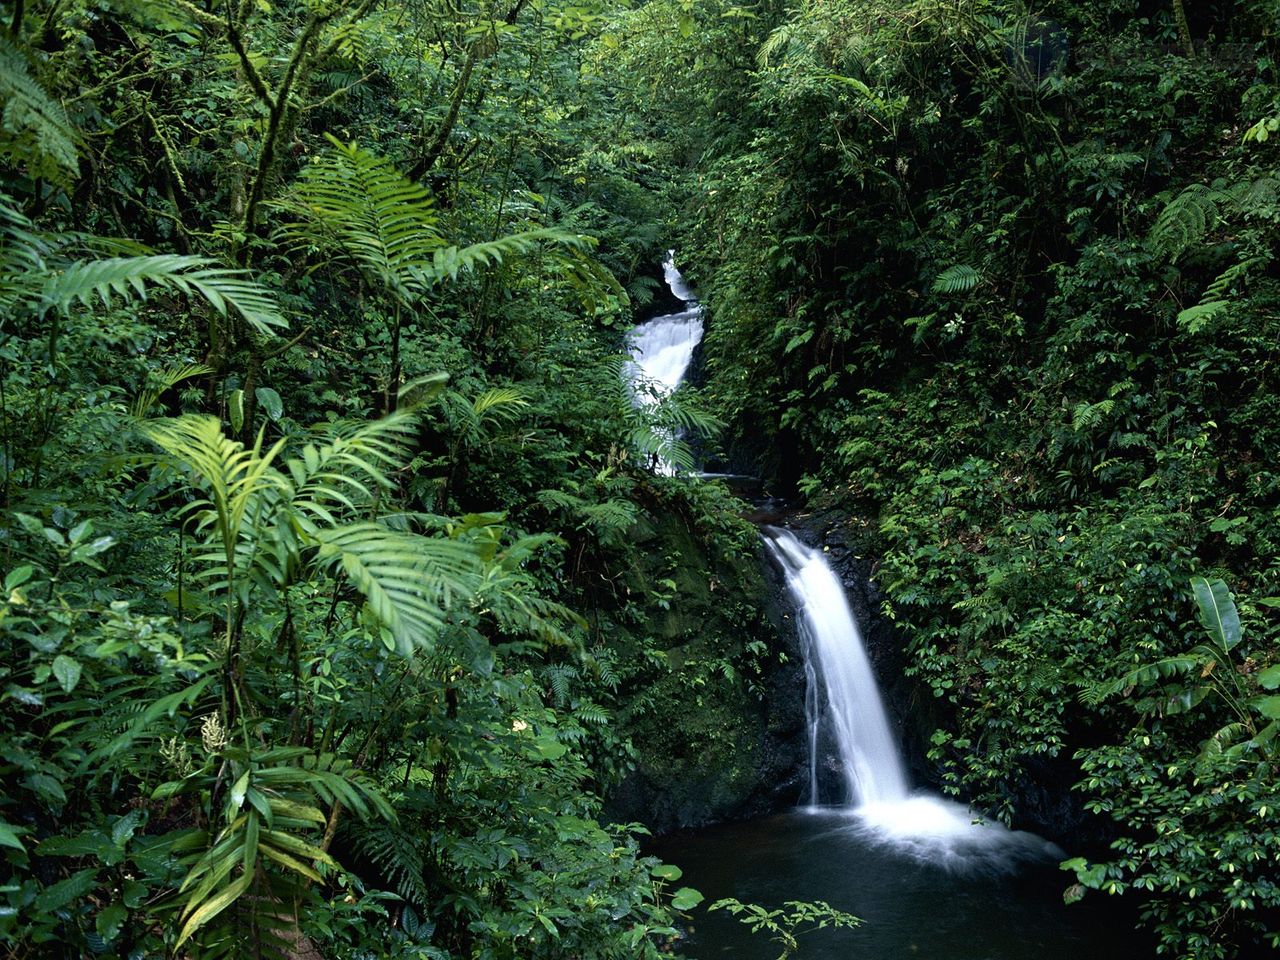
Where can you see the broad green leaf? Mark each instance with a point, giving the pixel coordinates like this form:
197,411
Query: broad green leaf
549,748
67,670
270,401
667,871
1269,679
1217,612
110,920
420,390
9,836
17,577
686,898
65,891
1269,707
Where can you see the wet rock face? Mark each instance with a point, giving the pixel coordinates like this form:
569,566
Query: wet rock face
767,769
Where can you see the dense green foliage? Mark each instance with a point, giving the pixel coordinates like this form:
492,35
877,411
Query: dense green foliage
336,587
337,592
1004,284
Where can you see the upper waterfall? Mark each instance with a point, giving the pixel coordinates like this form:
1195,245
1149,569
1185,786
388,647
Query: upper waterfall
661,349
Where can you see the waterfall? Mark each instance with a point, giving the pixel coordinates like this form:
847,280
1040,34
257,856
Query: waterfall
661,349
843,707
849,706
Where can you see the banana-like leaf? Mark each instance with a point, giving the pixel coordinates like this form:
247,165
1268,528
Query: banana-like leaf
1217,611
210,908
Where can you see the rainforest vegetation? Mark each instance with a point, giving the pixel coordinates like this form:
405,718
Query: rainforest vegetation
339,590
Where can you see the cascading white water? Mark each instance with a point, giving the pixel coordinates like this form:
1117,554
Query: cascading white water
870,765
843,704
661,349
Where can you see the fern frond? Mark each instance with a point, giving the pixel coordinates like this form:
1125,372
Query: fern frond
1201,315
90,281
1189,216
1086,415
611,516
558,677
1185,219
400,856
34,129
959,278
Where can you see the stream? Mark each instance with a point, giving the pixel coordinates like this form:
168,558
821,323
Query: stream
928,877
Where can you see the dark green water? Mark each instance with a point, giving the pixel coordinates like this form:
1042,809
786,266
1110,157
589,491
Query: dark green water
912,908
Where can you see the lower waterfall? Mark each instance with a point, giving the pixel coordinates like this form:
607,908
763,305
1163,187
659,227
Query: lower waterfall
845,713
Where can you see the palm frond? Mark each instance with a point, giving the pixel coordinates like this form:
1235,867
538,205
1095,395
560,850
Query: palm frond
164,380
358,204
448,262
407,580
355,456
